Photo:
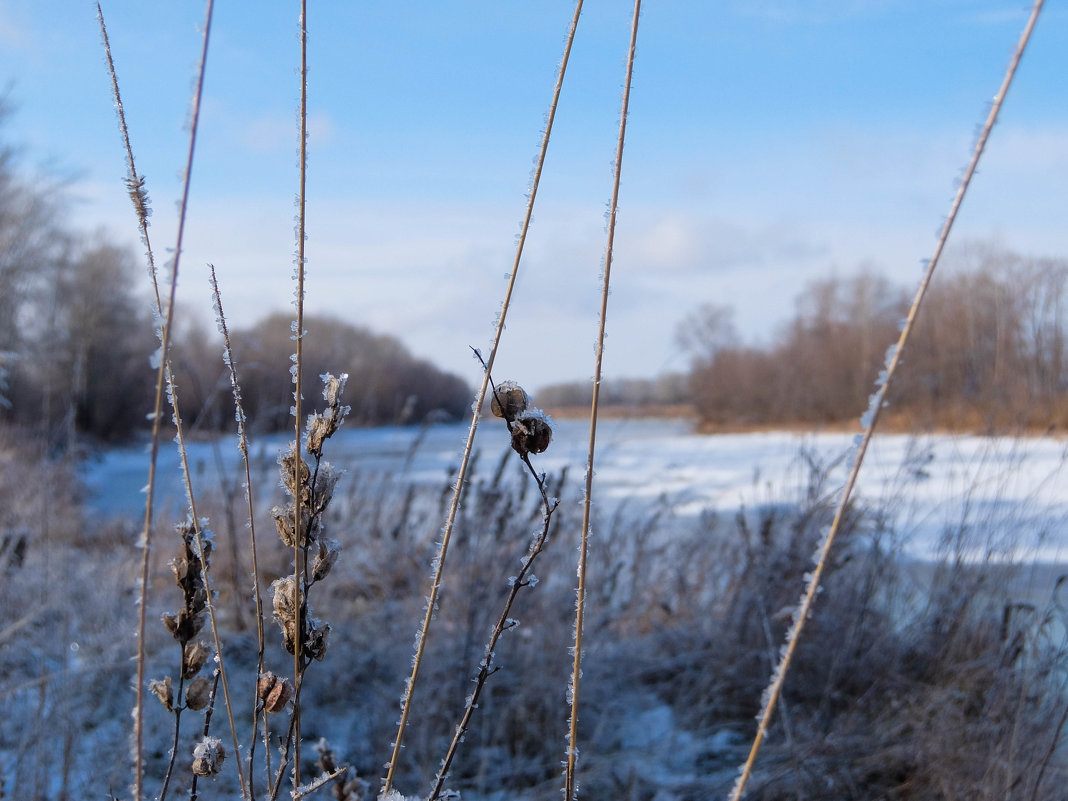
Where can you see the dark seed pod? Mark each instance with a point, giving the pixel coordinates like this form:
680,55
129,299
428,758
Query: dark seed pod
509,401
531,433
198,694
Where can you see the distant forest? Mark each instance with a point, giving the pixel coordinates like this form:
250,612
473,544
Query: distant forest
77,338
988,353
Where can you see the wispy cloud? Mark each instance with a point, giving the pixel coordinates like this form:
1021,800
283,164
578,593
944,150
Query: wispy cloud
13,34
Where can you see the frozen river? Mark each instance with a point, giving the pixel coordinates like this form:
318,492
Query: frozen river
1016,487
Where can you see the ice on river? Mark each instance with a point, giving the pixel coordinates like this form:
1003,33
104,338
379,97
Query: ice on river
1017,488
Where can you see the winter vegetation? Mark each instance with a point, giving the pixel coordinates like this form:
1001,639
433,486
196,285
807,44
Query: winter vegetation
275,614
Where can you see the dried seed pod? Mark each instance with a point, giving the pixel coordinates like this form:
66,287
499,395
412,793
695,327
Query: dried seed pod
285,613
509,401
208,756
333,386
198,694
324,560
314,644
162,689
274,692
288,466
193,658
531,432
283,520
319,429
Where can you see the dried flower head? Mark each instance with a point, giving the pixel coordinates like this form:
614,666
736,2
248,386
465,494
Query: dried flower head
329,550
198,694
194,656
315,639
208,757
274,692
288,462
162,689
283,520
509,400
285,612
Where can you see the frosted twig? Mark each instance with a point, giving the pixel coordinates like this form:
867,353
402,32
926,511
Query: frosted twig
774,690
504,621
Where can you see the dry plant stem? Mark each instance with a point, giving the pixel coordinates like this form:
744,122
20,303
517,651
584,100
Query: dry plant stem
298,555
164,376
465,460
774,690
146,533
243,446
580,600
504,622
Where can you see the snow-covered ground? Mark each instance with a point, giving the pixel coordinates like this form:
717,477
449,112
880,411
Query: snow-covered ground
1016,488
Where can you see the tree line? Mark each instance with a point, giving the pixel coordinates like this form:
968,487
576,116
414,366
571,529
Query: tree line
987,352
77,336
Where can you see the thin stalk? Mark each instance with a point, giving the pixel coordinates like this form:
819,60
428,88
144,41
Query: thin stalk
803,611
465,460
298,553
570,786
136,187
243,446
177,729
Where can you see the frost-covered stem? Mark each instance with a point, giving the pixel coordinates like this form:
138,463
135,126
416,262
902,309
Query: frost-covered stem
146,533
298,560
243,446
285,745
480,398
312,786
774,690
134,182
504,622
580,600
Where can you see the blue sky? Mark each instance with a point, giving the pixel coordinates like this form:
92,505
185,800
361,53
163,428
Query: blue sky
769,142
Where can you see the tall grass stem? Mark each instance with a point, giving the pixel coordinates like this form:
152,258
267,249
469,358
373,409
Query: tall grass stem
570,785
465,460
